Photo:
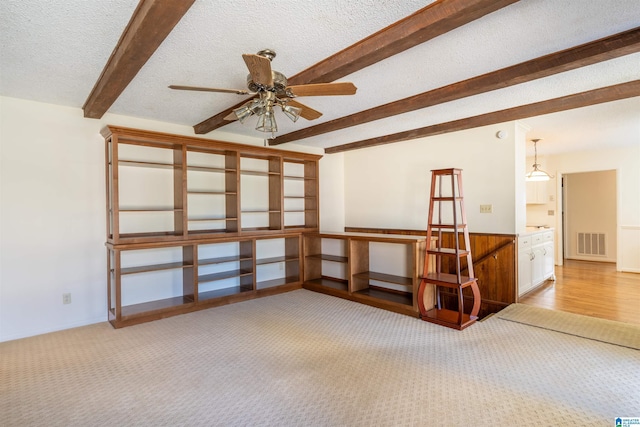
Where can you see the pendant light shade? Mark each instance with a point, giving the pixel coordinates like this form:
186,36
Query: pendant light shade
267,121
536,173
263,108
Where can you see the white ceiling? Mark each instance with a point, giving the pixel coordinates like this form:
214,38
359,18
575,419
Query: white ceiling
54,51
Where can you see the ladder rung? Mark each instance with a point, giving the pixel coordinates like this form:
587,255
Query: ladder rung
446,199
448,251
450,171
450,226
448,280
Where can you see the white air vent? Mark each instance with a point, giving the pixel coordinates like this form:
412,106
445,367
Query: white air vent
591,244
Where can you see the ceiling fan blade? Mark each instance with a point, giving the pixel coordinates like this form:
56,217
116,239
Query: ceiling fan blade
307,112
231,117
209,89
259,68
324,89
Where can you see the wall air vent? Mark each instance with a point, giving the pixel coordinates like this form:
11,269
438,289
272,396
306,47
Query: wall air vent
592,244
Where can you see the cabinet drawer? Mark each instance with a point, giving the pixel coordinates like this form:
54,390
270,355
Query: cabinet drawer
548,236
524,242
536,238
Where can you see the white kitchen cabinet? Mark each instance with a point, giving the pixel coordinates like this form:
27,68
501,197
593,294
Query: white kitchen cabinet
535,260
536,192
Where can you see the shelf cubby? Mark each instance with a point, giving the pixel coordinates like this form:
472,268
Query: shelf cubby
326,262
281,269
225,268
143,282
300,201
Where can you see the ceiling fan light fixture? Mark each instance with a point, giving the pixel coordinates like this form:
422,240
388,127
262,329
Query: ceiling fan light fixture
243,112
292,112
536,173
247,110
267,121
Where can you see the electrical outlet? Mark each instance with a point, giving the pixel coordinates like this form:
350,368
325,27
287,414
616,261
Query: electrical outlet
551,213
66,298
552,198
486,208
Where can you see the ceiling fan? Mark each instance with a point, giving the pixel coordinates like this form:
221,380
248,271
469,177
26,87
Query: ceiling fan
270,89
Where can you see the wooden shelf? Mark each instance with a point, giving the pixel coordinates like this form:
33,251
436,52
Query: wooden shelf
448,226
150,307
209,169
382,277
332,258
150,209
222,260
276,282
448,251
259,173
150,235
274,260
211,219
392,292
387,295
225,292
216,193
196,200
157,165
449,280
444,274
449,318
341,285
156,267
223,275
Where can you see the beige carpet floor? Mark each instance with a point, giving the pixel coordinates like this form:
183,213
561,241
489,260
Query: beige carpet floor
307,359
608,331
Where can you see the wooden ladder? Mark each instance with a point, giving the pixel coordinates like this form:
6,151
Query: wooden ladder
434,279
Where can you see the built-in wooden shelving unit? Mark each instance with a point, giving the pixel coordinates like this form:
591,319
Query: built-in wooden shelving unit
193,223
352,266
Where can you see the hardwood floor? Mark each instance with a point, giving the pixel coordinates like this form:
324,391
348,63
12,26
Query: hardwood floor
593,289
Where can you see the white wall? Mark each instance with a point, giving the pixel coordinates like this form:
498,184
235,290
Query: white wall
626,162
332,197
388,186
52,214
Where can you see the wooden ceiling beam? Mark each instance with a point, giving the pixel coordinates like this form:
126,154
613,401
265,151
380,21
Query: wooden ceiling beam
151,23
429,22
583,99
603,49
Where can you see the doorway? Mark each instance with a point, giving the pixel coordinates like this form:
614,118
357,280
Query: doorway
589,216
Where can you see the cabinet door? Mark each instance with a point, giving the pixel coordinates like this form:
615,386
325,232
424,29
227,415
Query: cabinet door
549,261
537,272
536,193
524,271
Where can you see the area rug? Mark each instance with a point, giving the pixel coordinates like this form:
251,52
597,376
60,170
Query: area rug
607,331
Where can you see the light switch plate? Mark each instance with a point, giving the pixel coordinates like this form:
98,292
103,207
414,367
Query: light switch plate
486,208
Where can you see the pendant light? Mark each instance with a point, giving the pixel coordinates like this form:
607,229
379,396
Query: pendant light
537,174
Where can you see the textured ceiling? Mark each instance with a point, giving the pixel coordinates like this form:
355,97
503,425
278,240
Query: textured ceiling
55,51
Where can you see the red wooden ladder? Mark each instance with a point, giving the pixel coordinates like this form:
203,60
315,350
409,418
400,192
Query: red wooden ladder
447,204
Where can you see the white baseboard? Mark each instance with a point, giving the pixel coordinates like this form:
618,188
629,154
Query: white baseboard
55,329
